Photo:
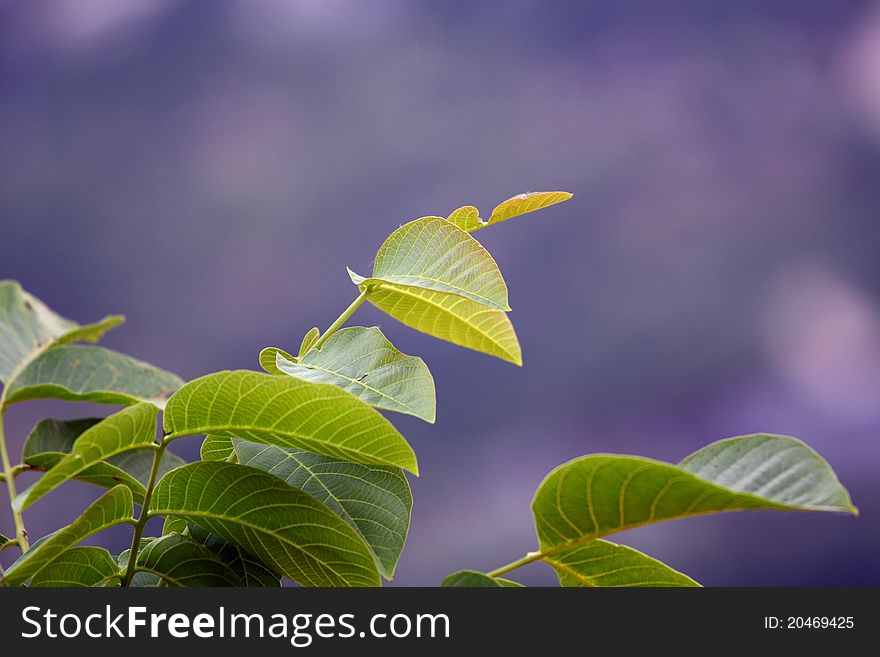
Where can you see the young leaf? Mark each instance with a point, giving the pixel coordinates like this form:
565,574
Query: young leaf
51,440
286,529
363,362
602,563
77,567
519,205
595,496
375,500
181,562
216,448
447,316
112,508
28,327
6,542
174,525
474,579
130,428
252,572
287,412
270,355
467,218
95,374
308,341
433,254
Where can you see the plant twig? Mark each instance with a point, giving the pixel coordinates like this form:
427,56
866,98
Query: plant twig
346,314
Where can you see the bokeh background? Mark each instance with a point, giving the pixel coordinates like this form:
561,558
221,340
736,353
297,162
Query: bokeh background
210,168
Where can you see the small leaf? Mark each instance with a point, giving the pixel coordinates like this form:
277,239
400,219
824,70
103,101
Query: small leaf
523,204
595,496
181,562
252,572
140,579
113,508
95,374
363,362
602,563
130,428
287,412
308,341
433,254
6,542
269,356
286,529
474,579
77,567
51,440
448,317
375,500
174,525
467,218
216,448
28,327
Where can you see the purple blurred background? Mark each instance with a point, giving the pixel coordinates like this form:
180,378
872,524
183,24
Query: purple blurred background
209,168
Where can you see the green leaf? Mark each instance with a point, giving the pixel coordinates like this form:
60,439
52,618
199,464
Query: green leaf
141,579
174,525
113,508
602,563
6,542
474,579
363,362
182,562
269,356
216,448
51,440
28,327
288,530
78,567
433,254
287,412
594,496
308,341
95,374
512,207
130,428
467,218
252,572
447,316
375,500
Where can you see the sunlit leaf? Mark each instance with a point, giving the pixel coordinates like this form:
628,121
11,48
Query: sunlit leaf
287,412
216,448
474,579
432,253
519,205
308,341
182,562
270,355
77,567
95,374
28,327
174,525
375,500
363,362
131,428
112,508
288,530
467,218
447,316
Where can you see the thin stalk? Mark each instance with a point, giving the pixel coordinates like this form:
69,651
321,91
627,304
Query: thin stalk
346,314
9,476
519,563
141,522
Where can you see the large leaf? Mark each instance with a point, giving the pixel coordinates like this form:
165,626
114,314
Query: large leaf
77,567
474,579
434,254
251,571
28,327
131,428
446,316
467,217
288,530
287,412
95,374
375,500
112,508
180,561
51,440
363,362
595,496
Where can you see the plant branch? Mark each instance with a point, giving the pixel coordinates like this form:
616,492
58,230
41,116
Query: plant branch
9,476
531,557
346,314
145,513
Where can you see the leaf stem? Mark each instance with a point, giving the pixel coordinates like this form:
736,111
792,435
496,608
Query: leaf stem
531,557
9,476
145,513
346,314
